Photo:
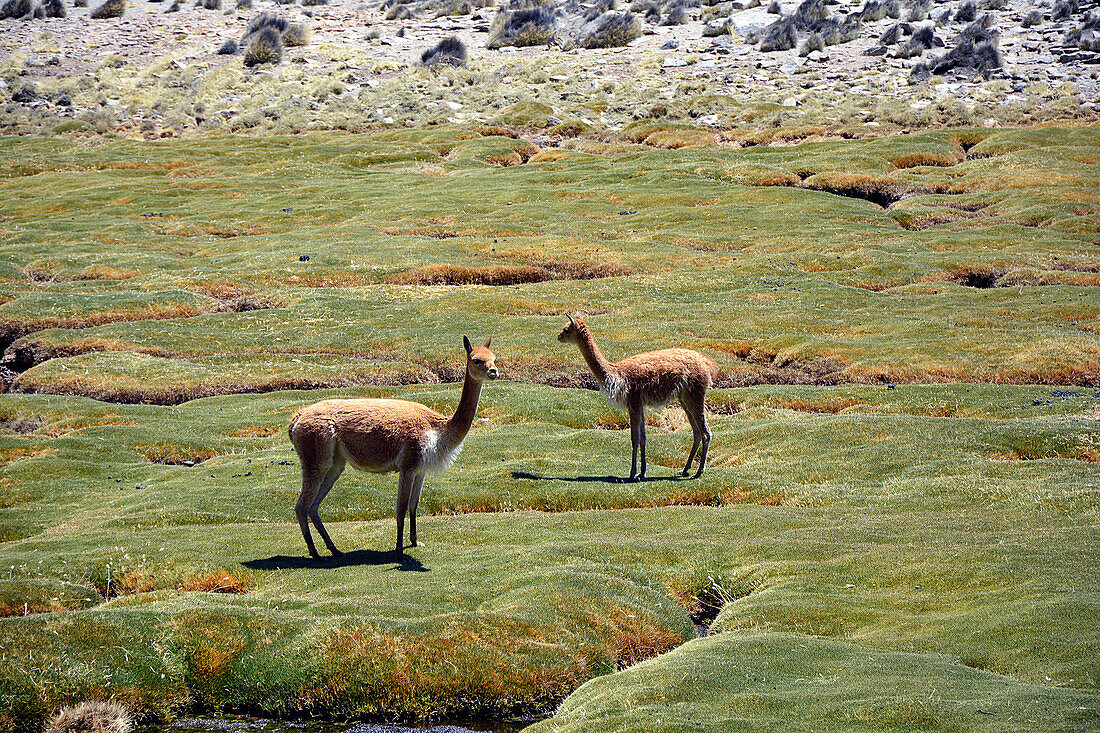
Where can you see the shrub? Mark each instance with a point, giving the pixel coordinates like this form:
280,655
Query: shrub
110,9
173,8
244,4
966,12
919,11
55,9
80,3
779,36
612,29
265,46
809,11
813,42
1064,9
676,15
296,34
524,27
890,36
878,9
211,4
229,48
975,48
23,9
314,2
1032,19
450,52
262,21
924,36
774,8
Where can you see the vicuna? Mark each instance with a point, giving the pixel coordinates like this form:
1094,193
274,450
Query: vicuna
653,378
382,436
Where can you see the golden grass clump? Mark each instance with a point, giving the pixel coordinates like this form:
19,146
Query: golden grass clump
95,716
217,581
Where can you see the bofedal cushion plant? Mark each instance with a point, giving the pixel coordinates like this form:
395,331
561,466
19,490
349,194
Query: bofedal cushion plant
863,515
902,463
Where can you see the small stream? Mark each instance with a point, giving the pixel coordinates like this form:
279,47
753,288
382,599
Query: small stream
240,724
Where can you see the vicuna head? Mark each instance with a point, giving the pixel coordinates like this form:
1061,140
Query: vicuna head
571,334
480,362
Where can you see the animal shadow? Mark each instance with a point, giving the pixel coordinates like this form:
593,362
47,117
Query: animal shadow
594,479
347,560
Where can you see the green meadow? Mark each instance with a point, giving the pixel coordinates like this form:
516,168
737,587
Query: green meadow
897,529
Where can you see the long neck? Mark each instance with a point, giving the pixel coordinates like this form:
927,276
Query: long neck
460,422
599,365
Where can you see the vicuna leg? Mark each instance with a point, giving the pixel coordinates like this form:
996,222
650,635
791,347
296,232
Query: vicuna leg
637,441
404,494
696,431
695,406
334,472
418,486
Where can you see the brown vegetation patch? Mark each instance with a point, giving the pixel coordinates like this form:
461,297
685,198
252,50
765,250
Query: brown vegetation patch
210,229
1086,454
447,274
325,280
18,453
635,640
16,328
174,394
171,454
880,190
102,272
740,496
926,158
216,581
826,407
822,370
255,431
539,271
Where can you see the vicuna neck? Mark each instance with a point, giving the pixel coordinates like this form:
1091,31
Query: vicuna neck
599,365
460,422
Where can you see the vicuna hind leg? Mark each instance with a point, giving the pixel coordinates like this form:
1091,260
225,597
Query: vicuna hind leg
696,433
695,408
637,441
338,463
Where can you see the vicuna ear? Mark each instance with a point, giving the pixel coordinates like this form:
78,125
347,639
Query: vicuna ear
490,341
466,343
571,319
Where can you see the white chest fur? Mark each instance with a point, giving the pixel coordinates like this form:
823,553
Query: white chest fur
435,455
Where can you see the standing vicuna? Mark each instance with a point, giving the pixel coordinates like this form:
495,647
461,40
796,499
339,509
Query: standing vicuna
652,378
382,436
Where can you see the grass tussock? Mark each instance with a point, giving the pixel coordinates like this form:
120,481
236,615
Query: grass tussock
217,581
881,190
96,716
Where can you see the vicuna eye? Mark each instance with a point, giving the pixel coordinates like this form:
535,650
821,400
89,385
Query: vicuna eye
479,361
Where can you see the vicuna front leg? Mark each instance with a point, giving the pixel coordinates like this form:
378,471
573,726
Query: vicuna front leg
637,441
414,501
405,484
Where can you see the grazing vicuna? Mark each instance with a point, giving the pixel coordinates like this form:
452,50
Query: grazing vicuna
653,378
382,436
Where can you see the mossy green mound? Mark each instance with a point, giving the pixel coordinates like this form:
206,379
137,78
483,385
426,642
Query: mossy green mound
732,682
